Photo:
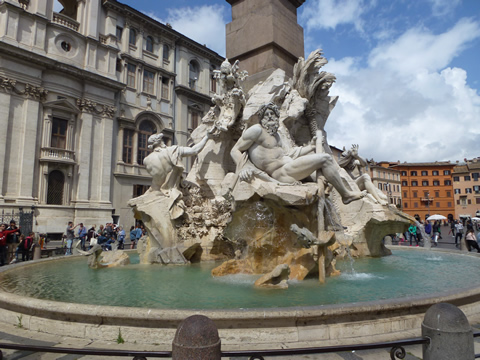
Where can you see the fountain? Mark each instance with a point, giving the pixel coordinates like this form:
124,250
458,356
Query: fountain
265,198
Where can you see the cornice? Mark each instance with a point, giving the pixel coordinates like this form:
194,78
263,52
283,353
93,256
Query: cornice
55,65
145,64
192,94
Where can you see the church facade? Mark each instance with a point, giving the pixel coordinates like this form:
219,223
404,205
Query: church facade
81,90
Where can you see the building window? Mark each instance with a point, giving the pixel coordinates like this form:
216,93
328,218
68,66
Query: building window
449,204
56,183
139,190
468,190
437,204
405,194
148,82
165,88
132,38
413,173
193,74
131,72
404,173
435,173
475,176
436,183
405,205
437,194
424,173
469,201
166,52
457,191
425,183
59,134
449,194
127,146
476,189
415,205
446,172
146,129
149,44
467,178
380,186
448,182
463,200
477,200
415,194
414,183
456,178
404,183
195,118
119,33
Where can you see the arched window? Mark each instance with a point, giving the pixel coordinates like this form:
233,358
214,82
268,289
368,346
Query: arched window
193,74
56,182
132,37
149,45
146,129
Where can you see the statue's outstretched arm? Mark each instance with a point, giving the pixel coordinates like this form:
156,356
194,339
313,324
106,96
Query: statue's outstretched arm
194,150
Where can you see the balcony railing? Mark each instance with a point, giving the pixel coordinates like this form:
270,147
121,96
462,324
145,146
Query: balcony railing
66,21
57,154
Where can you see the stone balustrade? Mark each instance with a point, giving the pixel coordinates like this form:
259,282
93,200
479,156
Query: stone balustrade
57,154
66,21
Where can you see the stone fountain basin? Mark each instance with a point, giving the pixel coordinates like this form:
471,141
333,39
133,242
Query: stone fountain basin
325,325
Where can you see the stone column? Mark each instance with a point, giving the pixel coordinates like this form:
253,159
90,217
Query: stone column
28,159
4,116
450,334
106,178
84,144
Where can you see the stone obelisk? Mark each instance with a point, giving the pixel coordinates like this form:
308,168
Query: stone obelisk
264,35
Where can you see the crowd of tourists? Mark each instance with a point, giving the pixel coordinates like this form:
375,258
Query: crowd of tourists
459,229
109,236
14,244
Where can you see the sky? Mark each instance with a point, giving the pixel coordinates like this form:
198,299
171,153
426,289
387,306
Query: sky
408,71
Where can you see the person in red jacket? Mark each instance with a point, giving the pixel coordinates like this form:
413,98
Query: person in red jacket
26,245
3,242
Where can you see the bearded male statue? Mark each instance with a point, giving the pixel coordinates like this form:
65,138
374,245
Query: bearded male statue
263,146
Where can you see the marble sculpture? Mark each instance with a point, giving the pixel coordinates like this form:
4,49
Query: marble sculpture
264,176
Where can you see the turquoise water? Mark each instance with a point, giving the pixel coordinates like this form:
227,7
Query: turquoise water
402,275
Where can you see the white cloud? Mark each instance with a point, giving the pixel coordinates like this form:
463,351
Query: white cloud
443,7
396,110
419,48
204,24
328,14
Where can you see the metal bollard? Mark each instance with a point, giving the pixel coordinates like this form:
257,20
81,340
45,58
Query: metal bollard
196,339
450,334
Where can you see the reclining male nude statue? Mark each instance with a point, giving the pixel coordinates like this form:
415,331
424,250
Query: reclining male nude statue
263,145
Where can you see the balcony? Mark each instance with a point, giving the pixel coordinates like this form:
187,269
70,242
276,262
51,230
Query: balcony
65,21
57,155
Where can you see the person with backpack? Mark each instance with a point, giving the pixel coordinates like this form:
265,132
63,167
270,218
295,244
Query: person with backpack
26,245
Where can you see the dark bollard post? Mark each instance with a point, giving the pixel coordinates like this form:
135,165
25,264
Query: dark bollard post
196,339
450,334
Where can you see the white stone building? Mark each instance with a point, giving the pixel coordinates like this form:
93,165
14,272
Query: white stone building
80,92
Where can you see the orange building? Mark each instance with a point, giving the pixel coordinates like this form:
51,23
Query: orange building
426,188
